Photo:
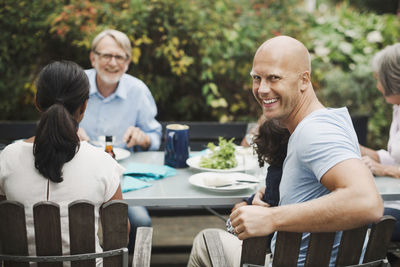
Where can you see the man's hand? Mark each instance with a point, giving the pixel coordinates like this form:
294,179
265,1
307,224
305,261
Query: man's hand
82,135
134,136
238,205
250,221
258,196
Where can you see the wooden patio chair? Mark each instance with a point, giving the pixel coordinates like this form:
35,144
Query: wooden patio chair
287,247
13,235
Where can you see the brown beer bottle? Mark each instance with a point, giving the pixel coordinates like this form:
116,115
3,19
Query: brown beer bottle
109,146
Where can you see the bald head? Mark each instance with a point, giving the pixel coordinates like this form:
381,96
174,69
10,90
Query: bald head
282,82
288,51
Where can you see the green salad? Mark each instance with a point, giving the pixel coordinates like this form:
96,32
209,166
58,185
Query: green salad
221,157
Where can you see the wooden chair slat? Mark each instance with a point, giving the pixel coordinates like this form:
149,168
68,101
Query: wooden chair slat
351,246
319,249
215,249
142,253
286,249
254,250
13,231
379,239
82,231
46,217
114,213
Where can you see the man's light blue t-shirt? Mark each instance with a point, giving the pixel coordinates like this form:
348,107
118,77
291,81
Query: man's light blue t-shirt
130,105
323,139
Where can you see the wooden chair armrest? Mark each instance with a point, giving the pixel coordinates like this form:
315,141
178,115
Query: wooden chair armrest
142,253
215,249
377,263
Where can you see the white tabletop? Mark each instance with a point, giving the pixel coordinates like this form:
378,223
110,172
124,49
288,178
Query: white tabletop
388,187
176,191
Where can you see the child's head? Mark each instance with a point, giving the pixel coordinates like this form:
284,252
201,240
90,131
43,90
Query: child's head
271,143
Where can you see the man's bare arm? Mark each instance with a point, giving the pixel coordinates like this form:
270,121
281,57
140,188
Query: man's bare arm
354,201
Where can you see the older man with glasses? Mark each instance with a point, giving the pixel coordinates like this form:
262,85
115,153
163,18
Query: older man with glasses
121,106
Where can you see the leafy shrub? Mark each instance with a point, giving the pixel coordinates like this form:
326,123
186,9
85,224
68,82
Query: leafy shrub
200,51
196,56
342,42
23,34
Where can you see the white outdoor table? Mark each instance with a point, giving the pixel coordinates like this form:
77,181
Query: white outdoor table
177,191
388,187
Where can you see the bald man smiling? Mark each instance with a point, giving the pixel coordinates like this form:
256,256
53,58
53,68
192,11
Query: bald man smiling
325,186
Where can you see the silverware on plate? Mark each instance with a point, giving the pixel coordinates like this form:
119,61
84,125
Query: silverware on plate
236,182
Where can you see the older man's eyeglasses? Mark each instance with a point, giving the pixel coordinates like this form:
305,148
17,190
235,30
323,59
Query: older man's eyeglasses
107,57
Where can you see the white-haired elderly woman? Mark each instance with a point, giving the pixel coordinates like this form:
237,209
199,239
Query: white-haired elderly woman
386,68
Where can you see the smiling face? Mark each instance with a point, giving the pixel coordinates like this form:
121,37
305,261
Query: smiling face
277,84
109,71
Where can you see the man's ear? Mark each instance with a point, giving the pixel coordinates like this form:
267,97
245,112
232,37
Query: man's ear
305,80
91,56
127,65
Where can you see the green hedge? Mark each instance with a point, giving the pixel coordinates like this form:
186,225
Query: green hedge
196,56
343,42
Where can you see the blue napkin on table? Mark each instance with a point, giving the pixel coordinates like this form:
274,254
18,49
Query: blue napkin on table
148,172
137,175
130,184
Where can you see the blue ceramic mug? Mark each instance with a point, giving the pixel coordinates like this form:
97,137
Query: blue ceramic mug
176,145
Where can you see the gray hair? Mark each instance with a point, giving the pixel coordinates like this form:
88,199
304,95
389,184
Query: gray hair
120,37
388,69
375,62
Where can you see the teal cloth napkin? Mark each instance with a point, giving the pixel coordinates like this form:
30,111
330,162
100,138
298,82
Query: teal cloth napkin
129,184
137,175
148,172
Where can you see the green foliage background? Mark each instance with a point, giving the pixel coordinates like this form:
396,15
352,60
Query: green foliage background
196,56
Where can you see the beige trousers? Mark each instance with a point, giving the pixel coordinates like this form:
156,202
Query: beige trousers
231,244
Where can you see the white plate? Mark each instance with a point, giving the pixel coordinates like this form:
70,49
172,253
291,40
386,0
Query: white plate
194,162
204,179
121,153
